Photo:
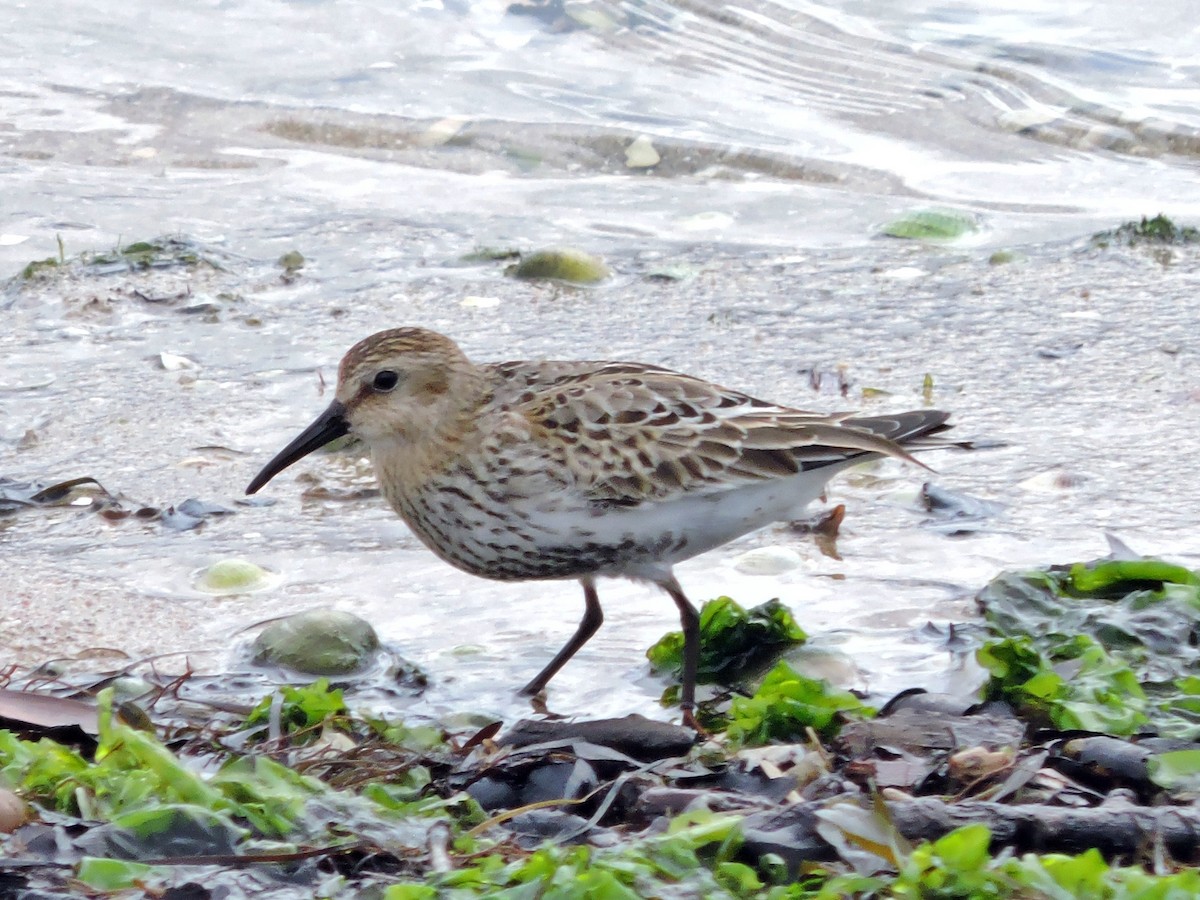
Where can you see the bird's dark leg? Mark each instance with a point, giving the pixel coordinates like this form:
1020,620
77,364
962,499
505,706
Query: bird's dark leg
690,619
593,618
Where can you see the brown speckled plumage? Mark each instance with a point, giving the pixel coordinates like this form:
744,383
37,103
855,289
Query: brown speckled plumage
550,470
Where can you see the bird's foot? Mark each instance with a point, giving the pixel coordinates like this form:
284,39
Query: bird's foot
536,698
690,721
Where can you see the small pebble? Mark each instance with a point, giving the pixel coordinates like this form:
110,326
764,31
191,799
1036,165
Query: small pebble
12,811
318,642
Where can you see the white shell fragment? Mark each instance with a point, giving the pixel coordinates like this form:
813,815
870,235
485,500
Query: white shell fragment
1053,481
640,154
174,363
478,302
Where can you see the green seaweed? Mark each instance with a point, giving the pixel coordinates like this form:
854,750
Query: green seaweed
1109,646
1100,693
303,706
734,641
1158,230
157,253
38,268
693,858
931,225
786,705
109,875
960,866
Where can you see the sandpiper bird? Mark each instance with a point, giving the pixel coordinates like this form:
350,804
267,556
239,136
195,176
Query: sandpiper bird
583,470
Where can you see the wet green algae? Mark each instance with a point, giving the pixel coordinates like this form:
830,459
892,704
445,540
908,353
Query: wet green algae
1110,646
156,253
736,647
1156,230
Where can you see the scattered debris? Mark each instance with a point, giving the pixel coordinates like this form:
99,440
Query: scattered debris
88,493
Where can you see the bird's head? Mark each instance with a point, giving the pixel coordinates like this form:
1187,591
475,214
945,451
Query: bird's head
395,389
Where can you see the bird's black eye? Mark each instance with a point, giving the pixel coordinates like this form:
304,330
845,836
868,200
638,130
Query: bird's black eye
385,380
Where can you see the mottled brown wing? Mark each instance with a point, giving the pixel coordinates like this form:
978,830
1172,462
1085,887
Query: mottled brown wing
631,433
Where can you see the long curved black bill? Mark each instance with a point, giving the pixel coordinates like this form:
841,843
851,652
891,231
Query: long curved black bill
329,425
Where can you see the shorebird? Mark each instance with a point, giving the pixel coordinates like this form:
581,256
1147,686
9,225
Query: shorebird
584,470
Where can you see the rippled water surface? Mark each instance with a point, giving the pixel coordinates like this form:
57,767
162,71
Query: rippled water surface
387,141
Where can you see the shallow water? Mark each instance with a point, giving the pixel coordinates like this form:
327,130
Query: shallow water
791,124
1108,414
386,144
